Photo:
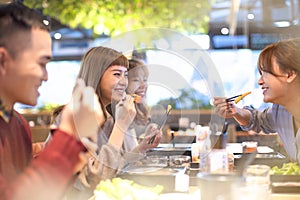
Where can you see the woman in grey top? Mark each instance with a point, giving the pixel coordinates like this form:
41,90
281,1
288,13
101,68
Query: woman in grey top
279,66
106,70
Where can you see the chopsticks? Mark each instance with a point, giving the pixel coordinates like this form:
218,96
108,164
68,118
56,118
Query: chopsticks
162,123
165,116
232,98
237,98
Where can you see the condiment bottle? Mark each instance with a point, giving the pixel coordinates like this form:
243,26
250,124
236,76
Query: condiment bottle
222,140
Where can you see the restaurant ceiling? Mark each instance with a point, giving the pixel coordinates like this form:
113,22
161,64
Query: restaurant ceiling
252,23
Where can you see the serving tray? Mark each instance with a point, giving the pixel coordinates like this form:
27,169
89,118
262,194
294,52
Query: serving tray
285,183
152,176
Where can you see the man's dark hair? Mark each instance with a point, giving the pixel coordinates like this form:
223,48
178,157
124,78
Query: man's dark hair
15,19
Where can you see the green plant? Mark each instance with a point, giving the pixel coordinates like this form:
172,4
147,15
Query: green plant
111,17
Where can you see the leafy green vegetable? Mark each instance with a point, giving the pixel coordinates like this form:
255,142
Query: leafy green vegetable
119,188
291,168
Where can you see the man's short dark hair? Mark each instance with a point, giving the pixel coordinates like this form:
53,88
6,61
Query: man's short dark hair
16,18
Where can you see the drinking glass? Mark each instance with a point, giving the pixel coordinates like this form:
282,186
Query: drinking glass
256,182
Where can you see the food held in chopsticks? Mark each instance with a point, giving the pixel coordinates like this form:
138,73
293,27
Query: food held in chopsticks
162,122
237,98
137,98
241,97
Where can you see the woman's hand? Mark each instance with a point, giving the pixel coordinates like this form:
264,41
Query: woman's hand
229,109
146,143
125,113
223,108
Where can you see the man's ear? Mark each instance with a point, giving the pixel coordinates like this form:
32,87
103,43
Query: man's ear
291,76
4,57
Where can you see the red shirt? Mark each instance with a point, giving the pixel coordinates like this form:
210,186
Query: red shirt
45,177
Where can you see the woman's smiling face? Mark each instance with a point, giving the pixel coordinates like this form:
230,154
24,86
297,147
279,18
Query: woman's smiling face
274,85
113,84
138,81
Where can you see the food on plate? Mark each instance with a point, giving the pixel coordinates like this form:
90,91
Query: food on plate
291,168
119,188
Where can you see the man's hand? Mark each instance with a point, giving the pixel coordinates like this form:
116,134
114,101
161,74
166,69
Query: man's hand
83,115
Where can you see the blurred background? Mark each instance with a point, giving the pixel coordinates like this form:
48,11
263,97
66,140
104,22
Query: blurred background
231,32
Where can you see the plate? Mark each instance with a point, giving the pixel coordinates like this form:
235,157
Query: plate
170,145
142,170
156,171
237,148
264,149
176,196
285,183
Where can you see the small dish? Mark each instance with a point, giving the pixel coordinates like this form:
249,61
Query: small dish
179,161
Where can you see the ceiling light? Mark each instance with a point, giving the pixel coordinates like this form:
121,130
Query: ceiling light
46,22
57,36
224,31
250,16
282,24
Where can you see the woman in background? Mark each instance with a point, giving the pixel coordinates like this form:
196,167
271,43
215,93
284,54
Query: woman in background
138,74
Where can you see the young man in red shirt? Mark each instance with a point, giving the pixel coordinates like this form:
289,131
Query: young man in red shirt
25,49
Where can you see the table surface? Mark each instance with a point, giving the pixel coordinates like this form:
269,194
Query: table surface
195,193
194,190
